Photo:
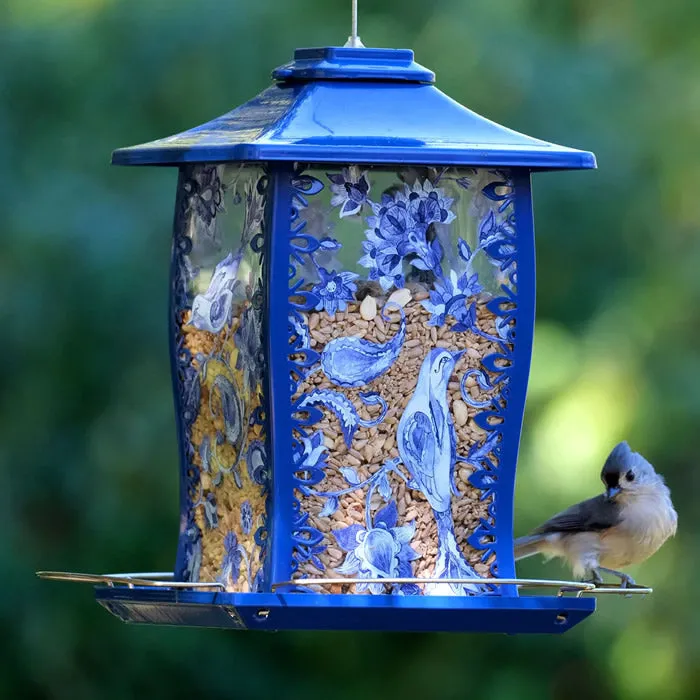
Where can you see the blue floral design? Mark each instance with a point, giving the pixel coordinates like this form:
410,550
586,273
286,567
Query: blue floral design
398,231
343,408
383,258
501,191
334,290
205,454
311,461
246,517
315,453
251,358
231,562
350,190
232,411
449,297
255,462
206,193
391,215
258,582
191,394
211,516
497,239
427,253
382,551
428,204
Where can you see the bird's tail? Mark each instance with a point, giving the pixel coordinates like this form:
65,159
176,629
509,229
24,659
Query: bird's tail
450,562
528,546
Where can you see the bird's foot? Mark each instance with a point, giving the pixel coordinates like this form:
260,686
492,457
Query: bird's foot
626,581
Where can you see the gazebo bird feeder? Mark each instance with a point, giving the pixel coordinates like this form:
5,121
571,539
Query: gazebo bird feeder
352,303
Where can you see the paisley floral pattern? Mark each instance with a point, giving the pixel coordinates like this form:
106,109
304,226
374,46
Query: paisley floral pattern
351,362
382,551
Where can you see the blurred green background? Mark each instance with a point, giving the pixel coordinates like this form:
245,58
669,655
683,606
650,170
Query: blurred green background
87,437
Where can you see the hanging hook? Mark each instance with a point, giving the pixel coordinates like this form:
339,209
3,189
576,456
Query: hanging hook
354,41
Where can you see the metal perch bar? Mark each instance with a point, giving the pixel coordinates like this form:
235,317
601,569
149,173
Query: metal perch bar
165,580
578,587
150,579
620,590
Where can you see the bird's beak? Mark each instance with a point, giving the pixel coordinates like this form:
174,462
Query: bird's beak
612,491
457,355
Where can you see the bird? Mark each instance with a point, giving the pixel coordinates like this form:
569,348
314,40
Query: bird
427,446
616,529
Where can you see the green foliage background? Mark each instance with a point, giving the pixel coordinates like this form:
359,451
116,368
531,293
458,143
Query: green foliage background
87,439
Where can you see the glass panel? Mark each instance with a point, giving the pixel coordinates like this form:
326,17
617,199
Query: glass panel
218,295
398,349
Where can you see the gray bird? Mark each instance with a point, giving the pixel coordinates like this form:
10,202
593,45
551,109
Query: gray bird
622,527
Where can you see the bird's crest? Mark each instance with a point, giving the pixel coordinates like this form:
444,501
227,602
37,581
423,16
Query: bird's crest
619,458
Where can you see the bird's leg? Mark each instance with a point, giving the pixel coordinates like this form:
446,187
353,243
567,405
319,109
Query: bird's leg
625,580
595,577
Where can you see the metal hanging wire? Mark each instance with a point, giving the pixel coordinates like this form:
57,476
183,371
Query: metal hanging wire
354,40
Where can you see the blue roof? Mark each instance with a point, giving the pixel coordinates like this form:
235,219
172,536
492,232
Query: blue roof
355,105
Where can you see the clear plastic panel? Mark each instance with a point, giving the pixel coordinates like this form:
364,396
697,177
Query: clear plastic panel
219,318
400,268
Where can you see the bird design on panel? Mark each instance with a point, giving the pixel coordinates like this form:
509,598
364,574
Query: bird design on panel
428,448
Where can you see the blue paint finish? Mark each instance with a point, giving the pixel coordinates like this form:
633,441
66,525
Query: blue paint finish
511,615
335,114
336,63
518,377
277,215
306,540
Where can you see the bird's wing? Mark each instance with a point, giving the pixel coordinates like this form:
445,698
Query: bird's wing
419,444
595,514
437,413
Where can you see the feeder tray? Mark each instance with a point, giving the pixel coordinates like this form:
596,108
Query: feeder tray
155,598
352,304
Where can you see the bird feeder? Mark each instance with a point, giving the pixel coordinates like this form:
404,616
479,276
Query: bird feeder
352,302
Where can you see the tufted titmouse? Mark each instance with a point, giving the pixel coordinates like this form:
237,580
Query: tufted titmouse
621,527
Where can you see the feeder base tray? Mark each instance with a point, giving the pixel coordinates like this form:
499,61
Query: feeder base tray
295,611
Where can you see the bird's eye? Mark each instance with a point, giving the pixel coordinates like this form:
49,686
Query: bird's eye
630,475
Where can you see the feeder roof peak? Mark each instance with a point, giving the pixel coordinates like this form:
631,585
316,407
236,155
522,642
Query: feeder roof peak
361,105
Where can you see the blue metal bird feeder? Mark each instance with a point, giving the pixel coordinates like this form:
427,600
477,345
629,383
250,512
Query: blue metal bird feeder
352,303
